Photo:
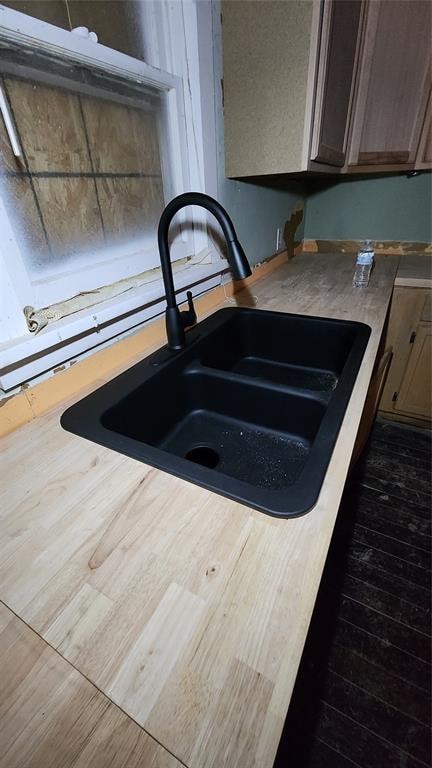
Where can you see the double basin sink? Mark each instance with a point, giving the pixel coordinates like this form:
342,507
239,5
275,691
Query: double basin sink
250,409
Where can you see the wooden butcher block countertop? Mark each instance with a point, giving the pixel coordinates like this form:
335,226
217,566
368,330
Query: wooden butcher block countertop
415,271
187,610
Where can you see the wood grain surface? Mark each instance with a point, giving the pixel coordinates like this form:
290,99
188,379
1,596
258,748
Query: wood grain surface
188,610
130,207
50,126
121,139
71,215
51,716
415,271
405,313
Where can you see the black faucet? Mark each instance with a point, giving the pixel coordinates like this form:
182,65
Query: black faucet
177,321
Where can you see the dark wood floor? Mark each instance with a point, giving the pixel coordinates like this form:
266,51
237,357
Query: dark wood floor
362,696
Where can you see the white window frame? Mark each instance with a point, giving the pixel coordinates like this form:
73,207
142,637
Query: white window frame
177,68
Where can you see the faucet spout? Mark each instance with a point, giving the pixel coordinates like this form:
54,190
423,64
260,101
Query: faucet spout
177,321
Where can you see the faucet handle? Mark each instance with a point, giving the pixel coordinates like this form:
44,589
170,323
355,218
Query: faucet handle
189,316
191,306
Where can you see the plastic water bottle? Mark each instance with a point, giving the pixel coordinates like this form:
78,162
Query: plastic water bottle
364,264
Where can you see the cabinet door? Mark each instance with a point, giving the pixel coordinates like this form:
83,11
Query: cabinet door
393,83
424,155
339,35
415,395
406,312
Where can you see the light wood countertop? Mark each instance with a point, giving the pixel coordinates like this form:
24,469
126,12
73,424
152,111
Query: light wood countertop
415,271
188,610
52,717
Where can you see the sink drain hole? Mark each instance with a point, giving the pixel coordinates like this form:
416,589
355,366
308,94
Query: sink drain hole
203,455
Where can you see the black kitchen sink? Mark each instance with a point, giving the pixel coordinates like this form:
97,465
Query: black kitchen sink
250,409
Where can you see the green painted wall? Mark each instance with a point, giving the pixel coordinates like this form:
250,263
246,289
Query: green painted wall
384,208
257,212
258,209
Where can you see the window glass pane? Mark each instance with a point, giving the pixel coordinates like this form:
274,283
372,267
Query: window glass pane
90,183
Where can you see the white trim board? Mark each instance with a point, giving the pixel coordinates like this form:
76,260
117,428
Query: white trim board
29,31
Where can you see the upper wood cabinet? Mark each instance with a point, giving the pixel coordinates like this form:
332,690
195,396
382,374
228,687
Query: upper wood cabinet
334,83
326,85
393,83
424,154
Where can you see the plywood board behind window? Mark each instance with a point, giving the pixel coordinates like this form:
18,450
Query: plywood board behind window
51,127
131,205
19,197
91,174
22,208
121,139
71,215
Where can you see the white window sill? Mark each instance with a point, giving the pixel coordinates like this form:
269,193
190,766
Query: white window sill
26,357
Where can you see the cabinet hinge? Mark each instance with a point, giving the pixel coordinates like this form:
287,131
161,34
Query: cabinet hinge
412,337
394,398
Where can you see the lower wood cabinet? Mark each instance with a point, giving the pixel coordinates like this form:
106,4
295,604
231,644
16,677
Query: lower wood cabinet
414,395
407,392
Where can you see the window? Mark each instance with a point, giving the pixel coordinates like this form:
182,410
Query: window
103,146
88,187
